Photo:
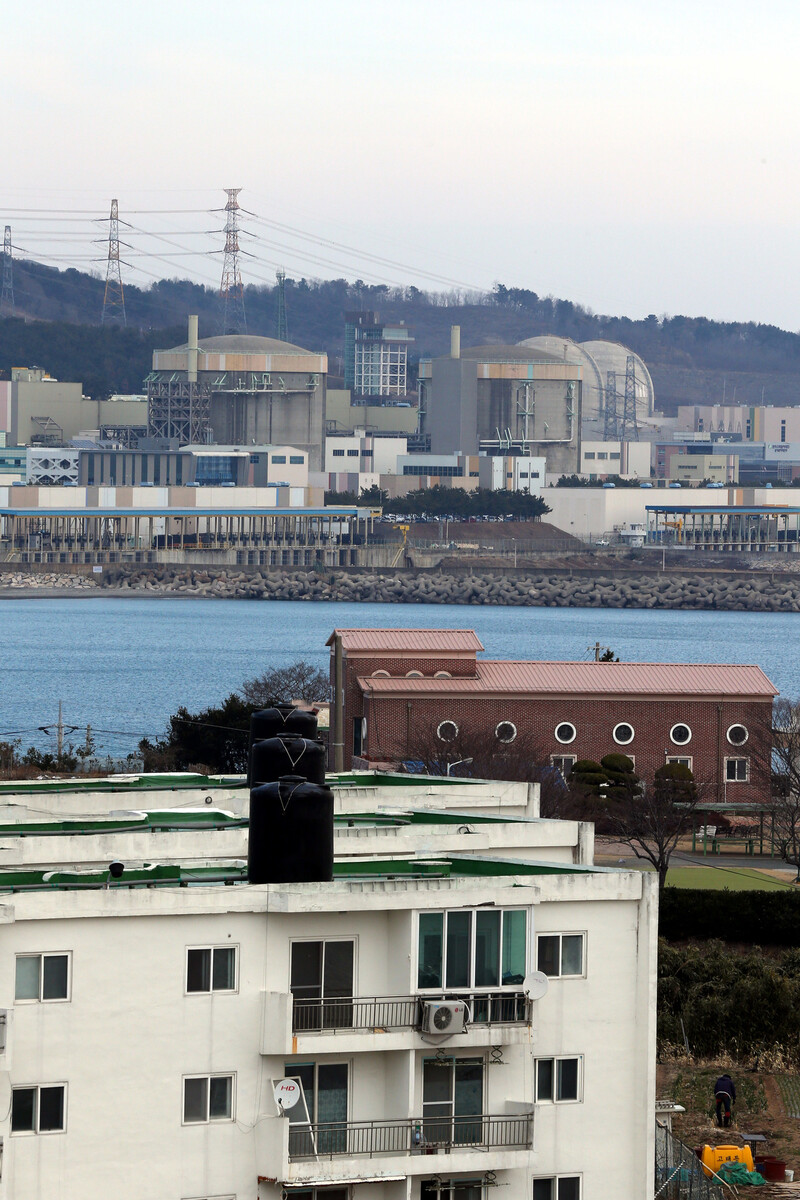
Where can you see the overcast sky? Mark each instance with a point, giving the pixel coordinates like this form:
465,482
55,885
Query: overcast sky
630,157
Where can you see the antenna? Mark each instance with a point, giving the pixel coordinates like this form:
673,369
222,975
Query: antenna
231,289
113,297
7,307
281,323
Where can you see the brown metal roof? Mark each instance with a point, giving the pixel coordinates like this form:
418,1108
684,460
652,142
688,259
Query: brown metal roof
591,678
425,641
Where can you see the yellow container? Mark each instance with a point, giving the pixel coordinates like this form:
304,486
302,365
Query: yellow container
713,1157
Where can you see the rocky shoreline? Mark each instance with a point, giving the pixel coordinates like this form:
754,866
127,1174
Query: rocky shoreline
743,592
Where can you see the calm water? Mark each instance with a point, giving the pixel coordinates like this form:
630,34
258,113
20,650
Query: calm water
124,666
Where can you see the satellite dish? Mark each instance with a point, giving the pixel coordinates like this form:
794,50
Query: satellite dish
286,1093
535,985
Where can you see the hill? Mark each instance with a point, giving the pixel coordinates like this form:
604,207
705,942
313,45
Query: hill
692,359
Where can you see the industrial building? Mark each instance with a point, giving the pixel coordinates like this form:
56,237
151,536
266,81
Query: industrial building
754,529
503,400
375,356
153,1009
150,465
605,368
38,410
239,390
401,687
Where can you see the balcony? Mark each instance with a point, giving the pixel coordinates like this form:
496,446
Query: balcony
429,1135
403,1012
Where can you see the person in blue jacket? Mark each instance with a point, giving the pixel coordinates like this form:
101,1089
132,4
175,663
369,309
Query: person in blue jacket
725,1096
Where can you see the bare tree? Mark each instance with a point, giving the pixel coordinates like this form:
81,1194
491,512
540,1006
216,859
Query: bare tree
785,764
651,820
299,681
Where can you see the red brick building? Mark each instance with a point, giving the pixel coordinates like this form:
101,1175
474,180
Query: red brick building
402,687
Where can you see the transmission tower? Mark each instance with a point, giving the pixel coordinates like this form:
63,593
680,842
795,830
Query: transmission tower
113,297
281,323
629,430
7,307
231,290
610,427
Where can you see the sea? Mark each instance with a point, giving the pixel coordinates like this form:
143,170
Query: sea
123,665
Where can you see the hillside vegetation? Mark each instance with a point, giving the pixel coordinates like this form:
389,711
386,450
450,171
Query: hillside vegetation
691,358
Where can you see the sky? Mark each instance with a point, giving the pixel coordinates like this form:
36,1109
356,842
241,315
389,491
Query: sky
632,158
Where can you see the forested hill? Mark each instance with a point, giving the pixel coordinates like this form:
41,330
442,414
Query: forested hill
691,358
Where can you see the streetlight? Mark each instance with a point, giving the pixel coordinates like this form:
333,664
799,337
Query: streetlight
457,763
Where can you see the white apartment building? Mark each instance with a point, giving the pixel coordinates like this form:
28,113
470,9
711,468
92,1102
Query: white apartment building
150,1014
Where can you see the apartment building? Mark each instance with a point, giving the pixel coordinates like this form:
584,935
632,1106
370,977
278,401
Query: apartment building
154,1008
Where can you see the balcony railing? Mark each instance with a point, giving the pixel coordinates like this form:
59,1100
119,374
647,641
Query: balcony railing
426,1135
404,1012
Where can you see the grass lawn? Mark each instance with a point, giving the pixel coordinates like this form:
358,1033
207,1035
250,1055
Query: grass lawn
736,879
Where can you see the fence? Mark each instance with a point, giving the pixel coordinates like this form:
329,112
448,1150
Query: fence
679,1175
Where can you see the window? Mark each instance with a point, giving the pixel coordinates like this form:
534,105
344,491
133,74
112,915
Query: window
442,675
336,454
558,1080
557,1187
358,736
211,969
42,977
737,770
566,733
207,1098
452,1101
325,1094
681,735
321,982
297,460
589,454
563,763
38,1109
447,731
602,454
737,735
505,732
614,454
380,674
326,1193
681,760
353,453
280,459
255,458
466,949
623,733
413,674
560,954
443,1189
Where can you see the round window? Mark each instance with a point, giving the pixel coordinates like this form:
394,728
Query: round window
442,675
680,734
413,674
380,674
566,733
447,731
623,734
737,735
506,731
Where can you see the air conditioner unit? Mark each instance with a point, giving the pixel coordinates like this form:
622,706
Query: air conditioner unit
444,1016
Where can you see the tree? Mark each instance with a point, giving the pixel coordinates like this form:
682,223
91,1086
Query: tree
651,818
299,681
785,763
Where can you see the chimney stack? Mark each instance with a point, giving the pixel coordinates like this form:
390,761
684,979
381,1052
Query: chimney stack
191,365
455,341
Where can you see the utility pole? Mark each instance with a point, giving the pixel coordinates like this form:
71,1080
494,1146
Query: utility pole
114,296
7,307
231,289
281,322
60,729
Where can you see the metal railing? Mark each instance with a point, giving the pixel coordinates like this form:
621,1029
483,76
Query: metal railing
679,1174
404,1012
425,1135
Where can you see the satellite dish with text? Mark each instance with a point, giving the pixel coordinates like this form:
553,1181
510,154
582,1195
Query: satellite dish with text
286,1093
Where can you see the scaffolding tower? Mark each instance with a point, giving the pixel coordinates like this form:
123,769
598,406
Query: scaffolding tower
7,307
231,289
114,296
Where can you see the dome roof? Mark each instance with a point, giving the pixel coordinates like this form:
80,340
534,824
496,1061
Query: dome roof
244,343
498,352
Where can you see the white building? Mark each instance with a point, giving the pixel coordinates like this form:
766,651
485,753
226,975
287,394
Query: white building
630,460
363,452
149,1016
514,473
48,466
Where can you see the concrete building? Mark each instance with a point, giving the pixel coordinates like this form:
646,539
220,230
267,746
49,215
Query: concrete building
345,413
150,464
630,460
752,423
375,355
47,467
364,451
400,687
36,409
503,399
513,473
222,989
597,358
701,468
239,390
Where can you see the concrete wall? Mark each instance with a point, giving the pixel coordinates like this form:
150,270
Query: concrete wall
343,417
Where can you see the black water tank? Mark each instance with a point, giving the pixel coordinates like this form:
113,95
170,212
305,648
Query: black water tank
281,718
291,832
286,755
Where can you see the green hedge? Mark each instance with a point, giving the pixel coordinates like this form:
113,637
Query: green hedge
757,918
